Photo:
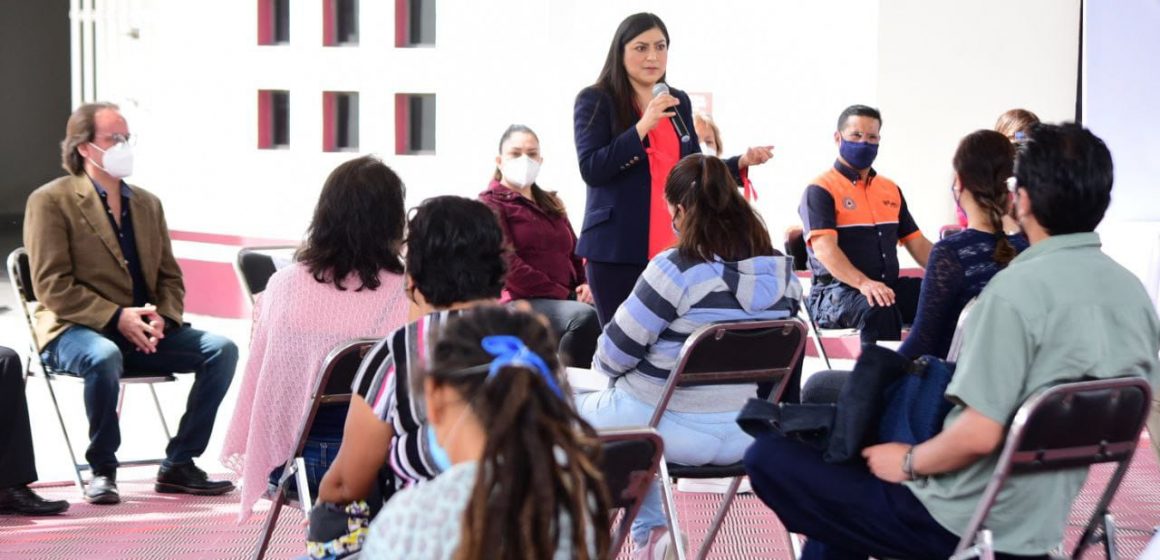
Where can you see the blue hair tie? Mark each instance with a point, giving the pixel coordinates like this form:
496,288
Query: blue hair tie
511,351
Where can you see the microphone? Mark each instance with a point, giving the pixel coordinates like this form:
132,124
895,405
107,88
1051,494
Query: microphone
682,129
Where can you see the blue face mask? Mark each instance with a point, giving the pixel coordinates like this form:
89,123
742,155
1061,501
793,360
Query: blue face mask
436,451
860,155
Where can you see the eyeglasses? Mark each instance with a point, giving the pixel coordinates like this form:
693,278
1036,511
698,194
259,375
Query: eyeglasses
118,138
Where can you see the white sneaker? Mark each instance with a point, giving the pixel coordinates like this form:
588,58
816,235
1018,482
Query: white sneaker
712,485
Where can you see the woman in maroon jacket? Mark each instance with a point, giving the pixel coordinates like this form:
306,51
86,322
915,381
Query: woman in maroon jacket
543,268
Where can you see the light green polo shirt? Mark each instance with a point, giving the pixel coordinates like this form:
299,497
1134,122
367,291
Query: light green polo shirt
1062,310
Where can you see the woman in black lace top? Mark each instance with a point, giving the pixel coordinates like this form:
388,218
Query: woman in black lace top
961,265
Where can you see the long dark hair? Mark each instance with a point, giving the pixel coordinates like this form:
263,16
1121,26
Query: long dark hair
983,161
718,222
540,459
547,201
613,78
357,225
455,251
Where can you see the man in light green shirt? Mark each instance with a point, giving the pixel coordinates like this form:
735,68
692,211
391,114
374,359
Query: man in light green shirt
1061,311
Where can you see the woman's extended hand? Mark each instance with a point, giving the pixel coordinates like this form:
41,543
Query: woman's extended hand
657,109
756,155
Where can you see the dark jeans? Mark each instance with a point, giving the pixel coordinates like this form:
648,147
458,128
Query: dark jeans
611,284
838,306
576,326
844,510
101,359
321,447
17,463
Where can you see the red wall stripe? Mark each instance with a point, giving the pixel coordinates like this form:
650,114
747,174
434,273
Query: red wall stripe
265,22
265,119
402,23
402,123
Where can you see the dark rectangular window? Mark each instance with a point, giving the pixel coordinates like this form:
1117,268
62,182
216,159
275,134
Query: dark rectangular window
339,121
340,22
273,119
414,23
415,123
273,22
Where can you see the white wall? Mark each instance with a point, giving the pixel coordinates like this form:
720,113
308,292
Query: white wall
779,73
949,68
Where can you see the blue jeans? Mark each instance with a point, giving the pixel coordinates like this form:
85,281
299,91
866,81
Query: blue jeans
321,447
691,438
101,359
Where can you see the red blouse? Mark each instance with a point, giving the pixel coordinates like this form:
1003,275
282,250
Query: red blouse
664,150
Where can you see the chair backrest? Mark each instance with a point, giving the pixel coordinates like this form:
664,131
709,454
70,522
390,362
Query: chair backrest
1069,425
1078,424
735,353
20,274
334,383
255,266
629,463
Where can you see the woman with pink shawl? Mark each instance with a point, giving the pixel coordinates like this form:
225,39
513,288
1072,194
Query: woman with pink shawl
346,283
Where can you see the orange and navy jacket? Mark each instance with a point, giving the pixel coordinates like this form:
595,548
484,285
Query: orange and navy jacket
869,217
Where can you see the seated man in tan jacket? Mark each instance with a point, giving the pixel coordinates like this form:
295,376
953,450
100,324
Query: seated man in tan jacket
110,297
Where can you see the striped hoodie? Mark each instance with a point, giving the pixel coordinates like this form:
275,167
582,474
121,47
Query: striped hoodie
673,297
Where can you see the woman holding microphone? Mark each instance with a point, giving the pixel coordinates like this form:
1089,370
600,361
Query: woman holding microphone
626,142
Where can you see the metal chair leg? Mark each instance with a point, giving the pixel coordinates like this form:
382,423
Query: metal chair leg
271,521
1110,551
670,505
304,496
64,431
120,399
812,328
719,518
795,545
160,413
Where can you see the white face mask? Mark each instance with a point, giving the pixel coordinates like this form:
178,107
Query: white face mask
520,172
118,160
708,150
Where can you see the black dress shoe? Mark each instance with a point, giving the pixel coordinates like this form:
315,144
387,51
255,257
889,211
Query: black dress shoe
21,500
102,489
188,479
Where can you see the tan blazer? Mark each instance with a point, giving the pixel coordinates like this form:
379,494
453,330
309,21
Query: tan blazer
78,271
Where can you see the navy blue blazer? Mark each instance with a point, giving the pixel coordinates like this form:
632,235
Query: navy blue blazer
615,167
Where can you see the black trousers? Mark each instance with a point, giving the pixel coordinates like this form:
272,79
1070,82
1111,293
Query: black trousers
838,306
845,511
611,284
17,463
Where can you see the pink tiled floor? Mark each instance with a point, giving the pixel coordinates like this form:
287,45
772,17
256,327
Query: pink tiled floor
150,525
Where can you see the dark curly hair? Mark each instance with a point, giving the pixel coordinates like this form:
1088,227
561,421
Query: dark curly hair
455,251
540,459
357,225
